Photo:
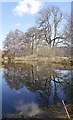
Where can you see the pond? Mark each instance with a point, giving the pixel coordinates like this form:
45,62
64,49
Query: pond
34,89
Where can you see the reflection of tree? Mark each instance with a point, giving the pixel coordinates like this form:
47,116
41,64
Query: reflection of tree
47,82
15,75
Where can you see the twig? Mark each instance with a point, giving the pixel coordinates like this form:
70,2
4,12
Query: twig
66,109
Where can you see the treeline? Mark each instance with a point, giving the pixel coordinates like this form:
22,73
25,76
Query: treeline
52,29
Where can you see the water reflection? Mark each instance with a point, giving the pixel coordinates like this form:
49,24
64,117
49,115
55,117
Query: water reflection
47,84
0,94
30,109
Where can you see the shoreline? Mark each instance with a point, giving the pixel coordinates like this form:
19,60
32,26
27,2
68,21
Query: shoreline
57,65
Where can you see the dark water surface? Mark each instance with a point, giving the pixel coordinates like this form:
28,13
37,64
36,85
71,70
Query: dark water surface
29,88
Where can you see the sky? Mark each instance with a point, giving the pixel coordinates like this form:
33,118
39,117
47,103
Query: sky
22,14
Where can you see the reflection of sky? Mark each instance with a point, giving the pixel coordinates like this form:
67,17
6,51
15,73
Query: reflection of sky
12,96
29,109
62,71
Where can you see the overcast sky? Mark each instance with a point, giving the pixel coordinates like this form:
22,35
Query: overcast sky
21,14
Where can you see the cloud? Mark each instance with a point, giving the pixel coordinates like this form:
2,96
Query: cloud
28,6
18,24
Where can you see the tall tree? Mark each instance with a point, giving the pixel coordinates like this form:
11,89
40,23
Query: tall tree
49,21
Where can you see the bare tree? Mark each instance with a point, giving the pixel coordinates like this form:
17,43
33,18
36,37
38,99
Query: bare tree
12,43
68,32
49,21
31,38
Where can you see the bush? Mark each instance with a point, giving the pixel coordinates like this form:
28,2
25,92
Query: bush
71,62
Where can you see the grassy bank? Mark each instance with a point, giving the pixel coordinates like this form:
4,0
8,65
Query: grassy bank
61,62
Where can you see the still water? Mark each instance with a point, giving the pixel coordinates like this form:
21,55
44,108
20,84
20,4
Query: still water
32,88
